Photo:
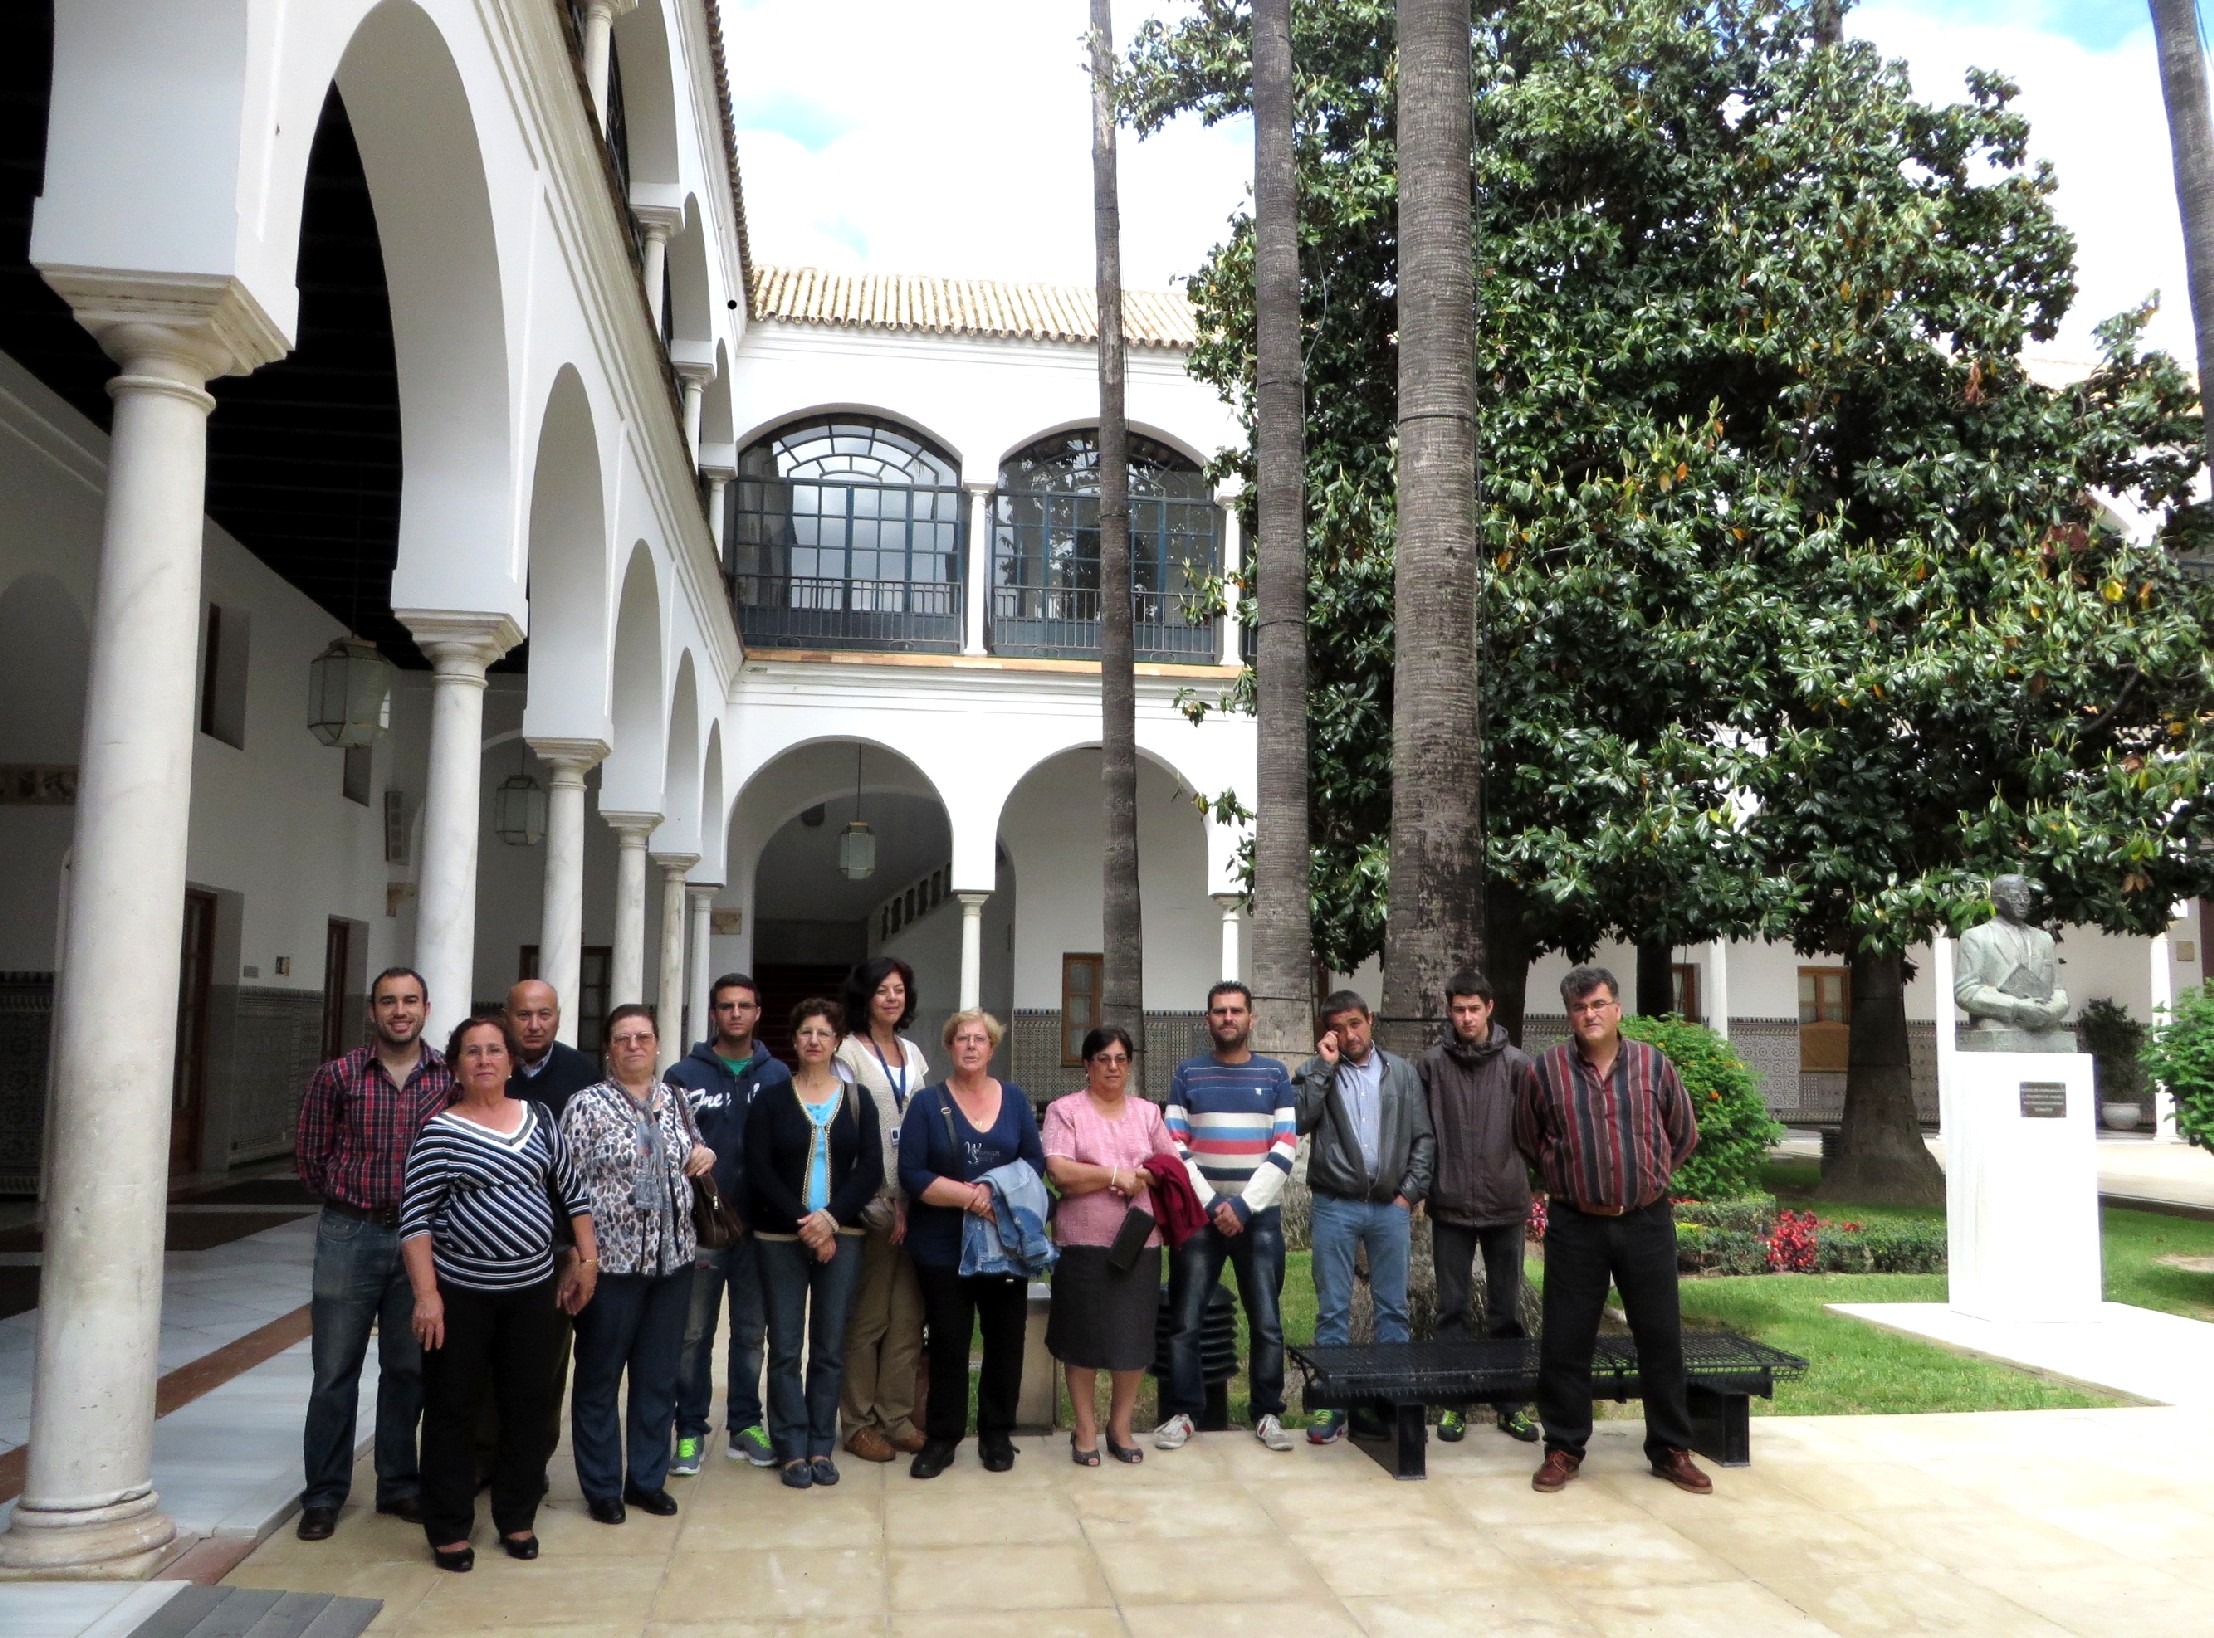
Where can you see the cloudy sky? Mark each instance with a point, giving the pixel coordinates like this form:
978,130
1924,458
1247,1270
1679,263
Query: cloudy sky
953,138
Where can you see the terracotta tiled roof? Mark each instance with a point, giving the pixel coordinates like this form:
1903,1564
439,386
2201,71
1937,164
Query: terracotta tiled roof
965,307
730,149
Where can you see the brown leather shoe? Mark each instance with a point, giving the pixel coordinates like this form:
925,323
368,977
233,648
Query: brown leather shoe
1680,1470
869,1445
1557,1469
908,1443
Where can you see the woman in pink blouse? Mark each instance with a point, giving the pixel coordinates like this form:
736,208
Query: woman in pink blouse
1097,1142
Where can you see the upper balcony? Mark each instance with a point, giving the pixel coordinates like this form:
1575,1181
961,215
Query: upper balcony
851,533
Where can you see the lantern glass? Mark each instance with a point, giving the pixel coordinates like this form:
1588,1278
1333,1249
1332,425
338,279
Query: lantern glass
349,693
519,811
857,852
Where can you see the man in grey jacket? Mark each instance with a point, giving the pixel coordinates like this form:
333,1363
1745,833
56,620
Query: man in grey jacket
1480,1197
1367,1169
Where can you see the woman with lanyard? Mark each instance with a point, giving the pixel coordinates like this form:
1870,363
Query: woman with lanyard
884,1337
813,1164
634,1147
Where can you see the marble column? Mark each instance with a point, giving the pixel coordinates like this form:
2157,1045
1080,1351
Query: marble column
88,1506
1230,904
657,225
1718,987
561,924
668,995
2162,976
1233,557
599,26
701,1025
976,585
694,378
627,961
718,512
459,647
972,948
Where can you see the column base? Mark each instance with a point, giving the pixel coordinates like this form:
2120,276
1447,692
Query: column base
122,1541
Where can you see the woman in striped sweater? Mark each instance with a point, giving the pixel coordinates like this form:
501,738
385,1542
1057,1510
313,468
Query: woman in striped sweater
477,1234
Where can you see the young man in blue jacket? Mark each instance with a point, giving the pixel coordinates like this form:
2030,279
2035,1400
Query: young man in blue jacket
721,1077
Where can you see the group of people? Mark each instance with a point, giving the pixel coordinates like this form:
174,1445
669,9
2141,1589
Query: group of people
494,1209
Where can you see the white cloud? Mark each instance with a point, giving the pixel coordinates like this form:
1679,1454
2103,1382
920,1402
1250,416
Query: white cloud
956,139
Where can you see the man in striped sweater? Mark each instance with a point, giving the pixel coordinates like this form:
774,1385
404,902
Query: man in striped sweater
1234,1119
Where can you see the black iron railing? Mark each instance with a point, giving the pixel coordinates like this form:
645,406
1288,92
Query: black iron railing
1045,575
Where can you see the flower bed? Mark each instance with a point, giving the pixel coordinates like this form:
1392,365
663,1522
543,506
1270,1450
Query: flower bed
1752,1236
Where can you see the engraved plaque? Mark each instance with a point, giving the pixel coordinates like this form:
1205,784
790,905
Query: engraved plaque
2044,1100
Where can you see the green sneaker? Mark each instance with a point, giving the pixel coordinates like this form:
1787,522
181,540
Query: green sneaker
1452,1426
752,1445
687,1462
1517,1424
1327,1428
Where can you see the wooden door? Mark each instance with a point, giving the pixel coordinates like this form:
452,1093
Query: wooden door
341,1031
188,1094
1825,1019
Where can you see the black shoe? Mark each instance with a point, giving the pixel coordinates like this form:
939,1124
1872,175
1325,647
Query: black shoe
317,1523
409,1508
997,1455
526,1549
933,1459
659,1503
607,1509
465,1559
825,1470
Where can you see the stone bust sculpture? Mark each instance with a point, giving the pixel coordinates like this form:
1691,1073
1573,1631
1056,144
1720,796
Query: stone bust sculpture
2007,980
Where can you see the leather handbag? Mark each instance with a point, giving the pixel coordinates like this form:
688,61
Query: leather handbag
715,1221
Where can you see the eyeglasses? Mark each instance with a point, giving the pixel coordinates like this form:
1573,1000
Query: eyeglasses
1589,1009
638,1040
1113,1060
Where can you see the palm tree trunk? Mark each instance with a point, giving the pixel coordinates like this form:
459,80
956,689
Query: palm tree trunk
1283,927
1436,909
1122,942
2191,141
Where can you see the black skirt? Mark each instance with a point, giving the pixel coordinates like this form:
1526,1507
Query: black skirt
1102,1320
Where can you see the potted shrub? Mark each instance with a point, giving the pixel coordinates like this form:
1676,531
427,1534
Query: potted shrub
2114,1040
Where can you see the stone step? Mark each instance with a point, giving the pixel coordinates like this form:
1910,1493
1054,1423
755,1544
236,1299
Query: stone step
256,1612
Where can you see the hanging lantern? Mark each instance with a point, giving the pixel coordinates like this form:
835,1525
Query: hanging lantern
857,852
349,693
519,811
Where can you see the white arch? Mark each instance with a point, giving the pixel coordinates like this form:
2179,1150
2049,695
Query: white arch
714,815
1160,435
875,412
680,778
631,780
568,578
692,318
649,93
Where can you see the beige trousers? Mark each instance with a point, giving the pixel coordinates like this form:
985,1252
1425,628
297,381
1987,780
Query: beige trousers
883,1341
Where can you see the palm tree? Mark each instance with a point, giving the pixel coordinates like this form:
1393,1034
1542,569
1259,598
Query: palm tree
2191,141
1122,974
1283,929
1436,906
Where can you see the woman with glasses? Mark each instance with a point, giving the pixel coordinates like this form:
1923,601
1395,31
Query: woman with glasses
633,1144
1097,1142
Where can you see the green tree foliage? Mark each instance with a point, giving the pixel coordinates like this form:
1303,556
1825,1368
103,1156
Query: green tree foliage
1770,506
1735,1127
2180,1057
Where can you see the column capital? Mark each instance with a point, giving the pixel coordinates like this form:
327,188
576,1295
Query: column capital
658,221
718,472
460,643
1228,903
695,372
570,759
980,491
972,902
184,326
632,827
703,890
611,9
674,864
1230,491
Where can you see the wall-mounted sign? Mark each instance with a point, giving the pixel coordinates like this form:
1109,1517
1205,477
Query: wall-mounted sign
38,784
2044,1100
726,923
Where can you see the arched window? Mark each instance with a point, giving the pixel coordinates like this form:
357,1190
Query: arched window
1045,548
846,532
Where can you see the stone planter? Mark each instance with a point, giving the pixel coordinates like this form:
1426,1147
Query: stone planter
2121,1117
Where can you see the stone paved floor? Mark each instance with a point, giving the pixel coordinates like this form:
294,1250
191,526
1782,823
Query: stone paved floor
2088,1522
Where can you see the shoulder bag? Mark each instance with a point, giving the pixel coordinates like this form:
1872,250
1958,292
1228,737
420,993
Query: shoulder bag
715,1222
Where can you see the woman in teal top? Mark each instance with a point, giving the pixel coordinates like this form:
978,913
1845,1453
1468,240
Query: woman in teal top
813,1164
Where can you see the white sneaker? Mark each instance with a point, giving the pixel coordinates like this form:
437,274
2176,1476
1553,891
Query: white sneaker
1271,1433
1173,1434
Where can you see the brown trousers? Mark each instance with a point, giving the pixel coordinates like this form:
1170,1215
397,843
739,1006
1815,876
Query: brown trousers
883,1341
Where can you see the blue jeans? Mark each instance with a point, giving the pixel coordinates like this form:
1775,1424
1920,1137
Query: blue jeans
1339,1226
803,1421
739,1269
1258,1256
360,1283
634,1326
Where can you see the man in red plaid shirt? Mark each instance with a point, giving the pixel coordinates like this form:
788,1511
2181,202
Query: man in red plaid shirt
360,1115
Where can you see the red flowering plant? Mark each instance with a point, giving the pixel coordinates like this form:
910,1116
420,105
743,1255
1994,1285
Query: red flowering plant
1534,1228
1791,1243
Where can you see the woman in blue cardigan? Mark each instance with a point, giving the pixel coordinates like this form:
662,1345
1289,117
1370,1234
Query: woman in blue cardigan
813,1162
952,1135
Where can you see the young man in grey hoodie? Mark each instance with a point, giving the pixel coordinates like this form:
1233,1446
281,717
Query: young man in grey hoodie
1480,1190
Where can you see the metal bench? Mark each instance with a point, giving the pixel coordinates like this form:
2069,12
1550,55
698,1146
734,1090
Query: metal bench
1404,1380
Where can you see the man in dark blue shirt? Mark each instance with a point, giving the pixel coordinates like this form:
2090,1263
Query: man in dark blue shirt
720,1079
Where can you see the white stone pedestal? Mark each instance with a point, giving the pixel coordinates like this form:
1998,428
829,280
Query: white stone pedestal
2022,1187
